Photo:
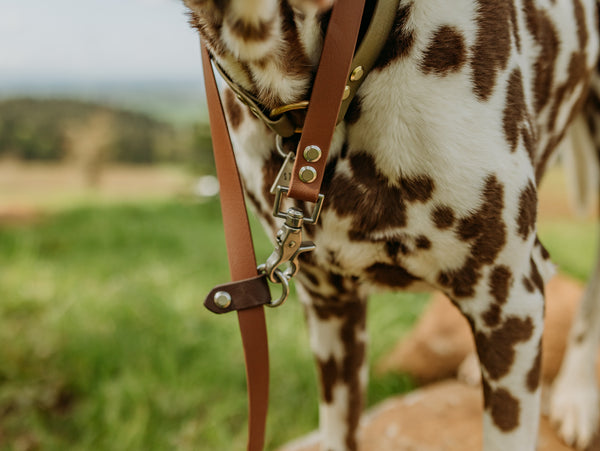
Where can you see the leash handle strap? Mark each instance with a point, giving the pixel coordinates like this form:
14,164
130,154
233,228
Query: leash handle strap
242,262
327,96
330,82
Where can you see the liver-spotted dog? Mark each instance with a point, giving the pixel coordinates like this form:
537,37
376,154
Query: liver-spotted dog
431,179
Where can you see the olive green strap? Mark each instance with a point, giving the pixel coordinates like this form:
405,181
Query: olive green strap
282,125
369,49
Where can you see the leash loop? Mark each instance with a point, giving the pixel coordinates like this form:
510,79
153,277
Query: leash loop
289,246
282,279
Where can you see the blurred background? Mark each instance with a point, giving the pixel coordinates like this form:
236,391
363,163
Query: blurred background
110,236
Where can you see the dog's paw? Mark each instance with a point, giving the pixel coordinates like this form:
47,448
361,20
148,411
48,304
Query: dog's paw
574,411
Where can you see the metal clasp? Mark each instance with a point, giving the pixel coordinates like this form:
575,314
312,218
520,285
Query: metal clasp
289,247
312,219
283,263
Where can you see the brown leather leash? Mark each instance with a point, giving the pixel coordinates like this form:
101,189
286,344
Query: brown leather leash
249,289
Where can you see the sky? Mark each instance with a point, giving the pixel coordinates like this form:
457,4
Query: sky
44,41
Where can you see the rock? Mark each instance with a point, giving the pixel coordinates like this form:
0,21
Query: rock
441,340
446,416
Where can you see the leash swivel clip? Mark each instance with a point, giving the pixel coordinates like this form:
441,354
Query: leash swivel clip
289,246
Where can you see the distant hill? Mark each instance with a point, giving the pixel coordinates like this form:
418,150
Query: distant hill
175,101
58,129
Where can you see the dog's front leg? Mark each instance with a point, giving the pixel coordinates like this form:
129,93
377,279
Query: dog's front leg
336,324
506,316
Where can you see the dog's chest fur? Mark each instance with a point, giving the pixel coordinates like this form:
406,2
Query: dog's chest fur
434,173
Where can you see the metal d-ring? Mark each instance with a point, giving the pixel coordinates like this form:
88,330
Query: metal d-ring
285,286
279,146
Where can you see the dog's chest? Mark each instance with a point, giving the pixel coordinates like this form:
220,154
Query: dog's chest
443,141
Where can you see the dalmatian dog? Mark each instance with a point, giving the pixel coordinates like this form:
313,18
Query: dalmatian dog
431,180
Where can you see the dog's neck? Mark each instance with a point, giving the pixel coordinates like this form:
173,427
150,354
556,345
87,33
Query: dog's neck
268,47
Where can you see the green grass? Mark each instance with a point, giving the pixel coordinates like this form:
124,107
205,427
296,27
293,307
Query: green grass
105,345
572,245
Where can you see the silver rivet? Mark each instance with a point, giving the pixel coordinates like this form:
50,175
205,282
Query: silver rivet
312,154
357,73
346,92
307,174
222,299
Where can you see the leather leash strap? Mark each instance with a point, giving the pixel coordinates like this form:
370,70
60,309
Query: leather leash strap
325,102
326,98
242,263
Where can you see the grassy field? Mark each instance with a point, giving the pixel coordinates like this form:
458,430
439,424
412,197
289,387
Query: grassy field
105,345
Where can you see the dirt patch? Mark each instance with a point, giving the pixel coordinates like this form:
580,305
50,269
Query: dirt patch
27,189
446,416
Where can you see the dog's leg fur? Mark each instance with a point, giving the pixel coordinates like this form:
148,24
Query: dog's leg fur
336,316
506,350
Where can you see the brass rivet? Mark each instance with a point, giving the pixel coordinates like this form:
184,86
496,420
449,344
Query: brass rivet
357,73
346,92
307,174
312,154
222,299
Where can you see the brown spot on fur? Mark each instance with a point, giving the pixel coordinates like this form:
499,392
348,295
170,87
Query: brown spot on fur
527,211
234,111
391,276
515,110
446,52
536,277
354,110
505,410
487,233
535,280
329,375
400,42
492,48
500,281
372,200
514,24
582,32
295,62
443,217
528,284
260,31
497,351
529,140
423,242
544,33
493,315
417,188
543,251
393,247
534,374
